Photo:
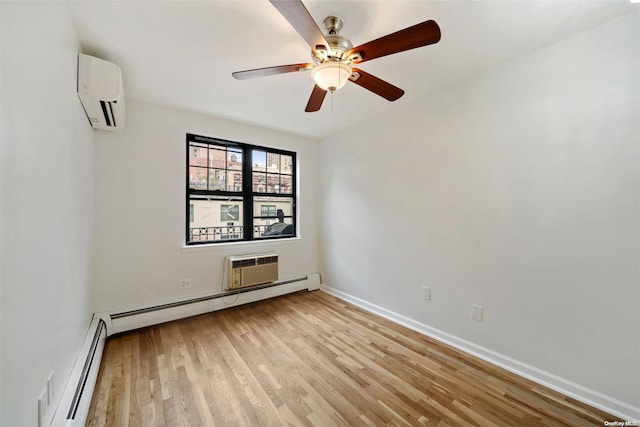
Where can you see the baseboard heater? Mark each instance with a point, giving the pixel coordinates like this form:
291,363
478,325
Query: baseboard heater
75,400
201,299
147,316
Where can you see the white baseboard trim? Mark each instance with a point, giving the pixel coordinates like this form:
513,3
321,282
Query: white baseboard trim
594,398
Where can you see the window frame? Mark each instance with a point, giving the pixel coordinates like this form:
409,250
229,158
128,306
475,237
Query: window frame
248,196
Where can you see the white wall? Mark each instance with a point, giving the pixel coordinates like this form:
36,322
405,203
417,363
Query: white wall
517,190
140,209
47,206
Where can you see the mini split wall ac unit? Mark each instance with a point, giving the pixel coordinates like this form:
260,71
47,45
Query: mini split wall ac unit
101,92
251,270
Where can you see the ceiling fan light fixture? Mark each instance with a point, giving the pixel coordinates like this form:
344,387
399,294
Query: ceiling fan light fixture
331,75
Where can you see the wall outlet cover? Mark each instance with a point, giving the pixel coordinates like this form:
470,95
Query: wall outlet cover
476,312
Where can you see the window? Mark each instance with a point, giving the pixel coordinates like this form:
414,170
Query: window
229,212
238,191
268,210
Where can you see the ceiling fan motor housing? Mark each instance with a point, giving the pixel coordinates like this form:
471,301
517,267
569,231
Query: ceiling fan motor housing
338,44
333,24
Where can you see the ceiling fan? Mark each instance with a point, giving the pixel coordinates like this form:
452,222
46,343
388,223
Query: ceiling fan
333,56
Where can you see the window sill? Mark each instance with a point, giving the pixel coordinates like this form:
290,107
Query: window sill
210,246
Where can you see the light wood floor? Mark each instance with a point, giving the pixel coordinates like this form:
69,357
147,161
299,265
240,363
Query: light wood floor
310,359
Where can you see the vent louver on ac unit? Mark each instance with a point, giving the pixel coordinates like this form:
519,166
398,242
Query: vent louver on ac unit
252,270
101,92
107,112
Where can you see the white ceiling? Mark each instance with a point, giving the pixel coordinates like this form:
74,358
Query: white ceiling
182,53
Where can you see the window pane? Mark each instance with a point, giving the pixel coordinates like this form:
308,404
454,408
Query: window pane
259,182
234,159
259,160
286,184
234,181
281,224
217,179
198,154
215,219
198,178
286,163
273,183
217,158
273,162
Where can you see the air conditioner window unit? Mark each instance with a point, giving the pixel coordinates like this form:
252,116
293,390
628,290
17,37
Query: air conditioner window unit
252,270
101,92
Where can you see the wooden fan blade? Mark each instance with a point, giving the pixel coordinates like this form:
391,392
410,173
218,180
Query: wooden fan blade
419,35
300,19
270,71
376,85
315,100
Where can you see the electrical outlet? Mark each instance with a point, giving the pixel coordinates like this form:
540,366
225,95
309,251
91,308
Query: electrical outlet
185,283
426,293
42,407
476,312
50,388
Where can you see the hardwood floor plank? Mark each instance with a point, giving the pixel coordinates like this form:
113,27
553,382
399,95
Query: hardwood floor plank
169,414
309,359
156,416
